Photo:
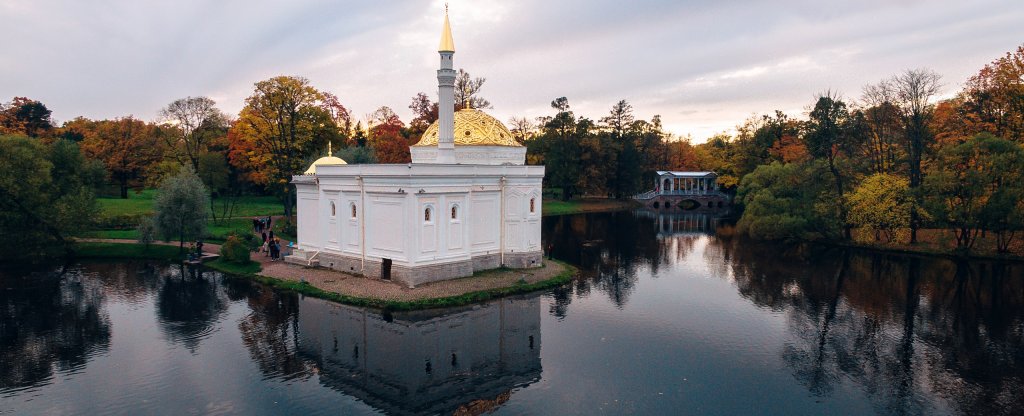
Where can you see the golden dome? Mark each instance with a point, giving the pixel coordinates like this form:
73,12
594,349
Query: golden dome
473,128
326,160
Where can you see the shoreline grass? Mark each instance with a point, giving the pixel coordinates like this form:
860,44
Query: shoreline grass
91,250
237,272
552,207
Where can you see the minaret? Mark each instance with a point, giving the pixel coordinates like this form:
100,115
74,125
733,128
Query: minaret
446,96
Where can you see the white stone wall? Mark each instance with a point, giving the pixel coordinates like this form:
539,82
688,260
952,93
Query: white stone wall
396,197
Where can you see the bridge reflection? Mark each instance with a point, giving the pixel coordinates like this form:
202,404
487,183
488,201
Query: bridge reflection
461,361
668,224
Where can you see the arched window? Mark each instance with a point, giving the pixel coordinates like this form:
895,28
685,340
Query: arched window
333,210
353,207
455,212
533,205
426,214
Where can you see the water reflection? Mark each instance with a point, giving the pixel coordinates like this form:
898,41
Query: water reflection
917,334
671,312
49,322
188,304
461,361
270,330
905,328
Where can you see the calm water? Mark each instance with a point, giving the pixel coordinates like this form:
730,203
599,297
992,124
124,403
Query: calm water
673,315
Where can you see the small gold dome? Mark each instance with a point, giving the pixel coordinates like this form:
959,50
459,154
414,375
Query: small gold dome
326,160
473,128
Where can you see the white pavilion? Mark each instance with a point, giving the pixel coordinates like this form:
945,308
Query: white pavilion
467,202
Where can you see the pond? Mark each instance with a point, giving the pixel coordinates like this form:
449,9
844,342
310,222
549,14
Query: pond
673,314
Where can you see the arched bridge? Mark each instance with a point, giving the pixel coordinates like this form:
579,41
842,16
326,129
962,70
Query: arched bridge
676,190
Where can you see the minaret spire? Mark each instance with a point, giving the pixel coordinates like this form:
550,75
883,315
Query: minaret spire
447,44
446,96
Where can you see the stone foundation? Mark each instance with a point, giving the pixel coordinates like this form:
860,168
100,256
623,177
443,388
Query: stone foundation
487,261
524,260
419,275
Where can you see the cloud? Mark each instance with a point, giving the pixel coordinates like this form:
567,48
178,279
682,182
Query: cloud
703,66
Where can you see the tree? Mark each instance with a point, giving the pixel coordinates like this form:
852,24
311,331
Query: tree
994,97
340,115
914,90
386,139
196,121
825,140
781,204
216,175
424,114
884,126
467,90
881,203
281,123
127,146
562,160
25,116
522,129
46,195
976,186
180,207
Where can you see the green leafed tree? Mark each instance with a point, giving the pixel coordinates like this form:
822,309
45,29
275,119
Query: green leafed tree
180,206
46,196
975,187
781,204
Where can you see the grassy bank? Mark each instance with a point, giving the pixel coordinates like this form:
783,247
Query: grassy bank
248,272
577,206
936,242
127,251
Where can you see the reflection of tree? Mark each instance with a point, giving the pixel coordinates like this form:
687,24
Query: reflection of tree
49,322
269,332
916,334
188,306
608,248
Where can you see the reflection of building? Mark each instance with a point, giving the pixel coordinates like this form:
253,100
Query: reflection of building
423,362
467,202
670,224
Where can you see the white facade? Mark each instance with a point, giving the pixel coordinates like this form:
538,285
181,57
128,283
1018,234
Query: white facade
431,221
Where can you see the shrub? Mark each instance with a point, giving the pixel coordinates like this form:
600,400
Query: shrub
234,250
286,226
147,231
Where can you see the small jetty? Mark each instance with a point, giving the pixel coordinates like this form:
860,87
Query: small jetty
194,260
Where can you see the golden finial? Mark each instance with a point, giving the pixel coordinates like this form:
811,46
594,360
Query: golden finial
447,45
465,97
329,153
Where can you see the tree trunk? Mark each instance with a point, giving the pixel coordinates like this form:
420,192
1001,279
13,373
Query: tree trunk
123,180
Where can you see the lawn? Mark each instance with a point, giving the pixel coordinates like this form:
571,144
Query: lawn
142,203
575,206
215,232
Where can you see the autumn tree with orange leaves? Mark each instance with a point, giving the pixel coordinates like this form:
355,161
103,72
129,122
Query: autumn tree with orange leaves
386,138
127,146
283,123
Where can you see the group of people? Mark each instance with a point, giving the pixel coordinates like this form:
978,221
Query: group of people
272,246
260,224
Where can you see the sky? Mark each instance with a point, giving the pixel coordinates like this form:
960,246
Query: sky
704,66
